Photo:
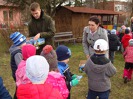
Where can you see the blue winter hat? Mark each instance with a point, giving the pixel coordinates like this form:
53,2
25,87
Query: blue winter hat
127,31
113,31
63,52
17,38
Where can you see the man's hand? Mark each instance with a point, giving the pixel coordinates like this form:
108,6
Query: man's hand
37,36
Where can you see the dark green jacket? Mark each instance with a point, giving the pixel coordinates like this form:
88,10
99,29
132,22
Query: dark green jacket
45,26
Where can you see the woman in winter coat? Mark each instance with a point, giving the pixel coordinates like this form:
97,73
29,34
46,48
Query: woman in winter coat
91,33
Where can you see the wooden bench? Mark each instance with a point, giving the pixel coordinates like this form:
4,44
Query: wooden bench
64,37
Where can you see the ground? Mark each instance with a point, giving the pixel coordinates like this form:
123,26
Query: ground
119,90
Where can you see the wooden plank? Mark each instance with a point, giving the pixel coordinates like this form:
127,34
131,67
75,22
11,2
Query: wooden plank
60,40
63,35
60,33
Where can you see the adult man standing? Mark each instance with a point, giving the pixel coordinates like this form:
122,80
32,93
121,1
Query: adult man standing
41,26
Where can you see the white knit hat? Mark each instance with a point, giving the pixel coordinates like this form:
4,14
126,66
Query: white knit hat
113,31
101,44
37,68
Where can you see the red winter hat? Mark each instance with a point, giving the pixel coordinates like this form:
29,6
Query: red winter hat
47,49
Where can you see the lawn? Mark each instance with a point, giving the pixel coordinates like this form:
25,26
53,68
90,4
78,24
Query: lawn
119,90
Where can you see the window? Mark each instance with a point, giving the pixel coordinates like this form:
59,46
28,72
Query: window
5,14
11,15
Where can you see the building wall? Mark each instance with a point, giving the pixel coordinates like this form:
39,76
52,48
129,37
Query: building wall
63,20
8,21
79,21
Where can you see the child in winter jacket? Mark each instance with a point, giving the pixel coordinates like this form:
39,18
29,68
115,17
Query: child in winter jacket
128,56
4,94
28,50
126,38
37,69
54,75
63,55
19,40
113,44
99,69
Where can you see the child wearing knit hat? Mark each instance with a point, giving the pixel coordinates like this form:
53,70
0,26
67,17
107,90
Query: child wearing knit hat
54,75
63,55
126,38
113,44
99,69
49,53
28,50
37,69
128,57
19,40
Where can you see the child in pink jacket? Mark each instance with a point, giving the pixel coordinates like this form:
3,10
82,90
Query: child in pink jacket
128,56
28,50
54,77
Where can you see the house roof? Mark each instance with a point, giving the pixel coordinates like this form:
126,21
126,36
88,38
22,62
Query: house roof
90,10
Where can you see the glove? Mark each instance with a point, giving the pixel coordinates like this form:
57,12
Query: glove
74,82
74,76
81,68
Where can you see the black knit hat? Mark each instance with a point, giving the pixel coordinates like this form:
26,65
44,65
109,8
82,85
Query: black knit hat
127,31
63,52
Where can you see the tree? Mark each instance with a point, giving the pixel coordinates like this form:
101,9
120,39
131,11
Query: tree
49,6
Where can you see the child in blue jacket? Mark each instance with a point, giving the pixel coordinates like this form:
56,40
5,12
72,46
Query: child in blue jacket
63,55
4,94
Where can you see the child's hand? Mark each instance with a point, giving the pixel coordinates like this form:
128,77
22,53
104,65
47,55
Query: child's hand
81,68
74,76
74,82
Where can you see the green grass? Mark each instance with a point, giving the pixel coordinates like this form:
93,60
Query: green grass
119,90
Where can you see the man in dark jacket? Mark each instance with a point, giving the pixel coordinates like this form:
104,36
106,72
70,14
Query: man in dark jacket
4,94
41,26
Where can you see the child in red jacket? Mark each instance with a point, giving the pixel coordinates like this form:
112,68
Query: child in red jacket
128,56
126,38
37,69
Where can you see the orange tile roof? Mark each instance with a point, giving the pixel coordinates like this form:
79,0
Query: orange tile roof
90,10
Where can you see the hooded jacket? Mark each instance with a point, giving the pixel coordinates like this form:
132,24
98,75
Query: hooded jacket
4,94
99,70
27,51
128,54
113,42
125,40
38,91
58,82
16,57
45,26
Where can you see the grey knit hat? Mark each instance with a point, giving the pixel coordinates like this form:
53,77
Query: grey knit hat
49,53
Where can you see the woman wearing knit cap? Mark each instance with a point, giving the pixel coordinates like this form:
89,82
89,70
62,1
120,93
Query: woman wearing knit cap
128,56
54,77
28,50
37,69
